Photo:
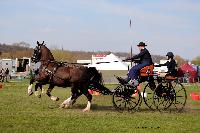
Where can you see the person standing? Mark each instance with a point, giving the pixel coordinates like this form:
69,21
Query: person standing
1,75
6,74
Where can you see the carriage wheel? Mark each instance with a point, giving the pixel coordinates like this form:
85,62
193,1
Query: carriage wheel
163,96
126,98
181,96
148,94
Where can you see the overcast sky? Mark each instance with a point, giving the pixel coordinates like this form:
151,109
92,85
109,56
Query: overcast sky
98,25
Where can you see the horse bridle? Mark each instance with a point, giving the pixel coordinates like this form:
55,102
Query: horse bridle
37,52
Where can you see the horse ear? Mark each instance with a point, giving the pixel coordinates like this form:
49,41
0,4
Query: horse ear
38,43
43,43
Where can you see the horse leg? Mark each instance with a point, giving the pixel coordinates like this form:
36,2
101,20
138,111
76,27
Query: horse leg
49,93
30,91
43,90
89,97
36,91
75,95
71,100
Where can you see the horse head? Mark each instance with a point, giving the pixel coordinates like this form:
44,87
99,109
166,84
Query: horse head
37,52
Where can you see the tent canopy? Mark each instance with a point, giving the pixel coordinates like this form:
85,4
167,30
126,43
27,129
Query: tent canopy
188,71
197,68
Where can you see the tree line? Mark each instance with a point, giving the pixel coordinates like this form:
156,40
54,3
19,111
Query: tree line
23,49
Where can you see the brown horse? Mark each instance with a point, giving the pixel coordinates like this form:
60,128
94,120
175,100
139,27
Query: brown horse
62,75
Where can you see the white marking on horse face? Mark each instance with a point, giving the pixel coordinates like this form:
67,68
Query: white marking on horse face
30,88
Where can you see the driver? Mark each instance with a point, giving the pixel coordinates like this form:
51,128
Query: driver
144,60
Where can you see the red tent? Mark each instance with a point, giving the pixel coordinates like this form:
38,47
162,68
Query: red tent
187,69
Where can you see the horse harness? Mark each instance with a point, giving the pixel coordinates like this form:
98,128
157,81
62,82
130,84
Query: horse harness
51,74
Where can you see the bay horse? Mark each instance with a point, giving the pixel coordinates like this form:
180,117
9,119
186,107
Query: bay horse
59,74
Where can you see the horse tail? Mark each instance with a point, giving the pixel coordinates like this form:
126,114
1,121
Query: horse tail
95,75
96,81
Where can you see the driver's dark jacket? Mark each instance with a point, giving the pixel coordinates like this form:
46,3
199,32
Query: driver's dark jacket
144,57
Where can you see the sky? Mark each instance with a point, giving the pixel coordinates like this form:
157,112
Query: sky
103,25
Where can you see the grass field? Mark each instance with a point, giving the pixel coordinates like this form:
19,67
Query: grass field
21,113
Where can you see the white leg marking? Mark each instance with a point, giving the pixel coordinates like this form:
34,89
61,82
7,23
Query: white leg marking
30,89
37,93
54,98
43,91
67,103
88,107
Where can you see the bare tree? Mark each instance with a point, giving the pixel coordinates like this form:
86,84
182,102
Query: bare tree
180,60
22,44
196,61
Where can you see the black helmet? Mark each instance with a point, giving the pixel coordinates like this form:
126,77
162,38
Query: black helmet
170,54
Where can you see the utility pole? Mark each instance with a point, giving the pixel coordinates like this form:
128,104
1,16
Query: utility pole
131,56
130,24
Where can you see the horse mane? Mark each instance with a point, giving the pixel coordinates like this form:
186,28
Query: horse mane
47,54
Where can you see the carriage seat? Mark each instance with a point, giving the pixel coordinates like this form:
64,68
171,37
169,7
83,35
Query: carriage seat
170,77
147,71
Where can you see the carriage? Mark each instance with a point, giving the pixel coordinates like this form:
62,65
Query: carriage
158,93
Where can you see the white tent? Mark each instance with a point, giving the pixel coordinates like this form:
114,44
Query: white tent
107,62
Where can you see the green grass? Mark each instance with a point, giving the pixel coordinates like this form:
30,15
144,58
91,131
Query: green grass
21,113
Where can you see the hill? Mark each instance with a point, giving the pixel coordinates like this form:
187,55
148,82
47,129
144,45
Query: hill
82,55
16,50
22,49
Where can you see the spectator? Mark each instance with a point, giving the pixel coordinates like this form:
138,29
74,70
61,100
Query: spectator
1,74
6,74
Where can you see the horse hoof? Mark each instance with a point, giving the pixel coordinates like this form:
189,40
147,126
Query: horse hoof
73,102
57,99
67,106
54,98
62,106
43,91
31,93
86,110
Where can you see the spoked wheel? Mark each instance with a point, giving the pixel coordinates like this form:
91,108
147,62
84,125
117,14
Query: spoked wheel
181,96
126,98
148,94
163,96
